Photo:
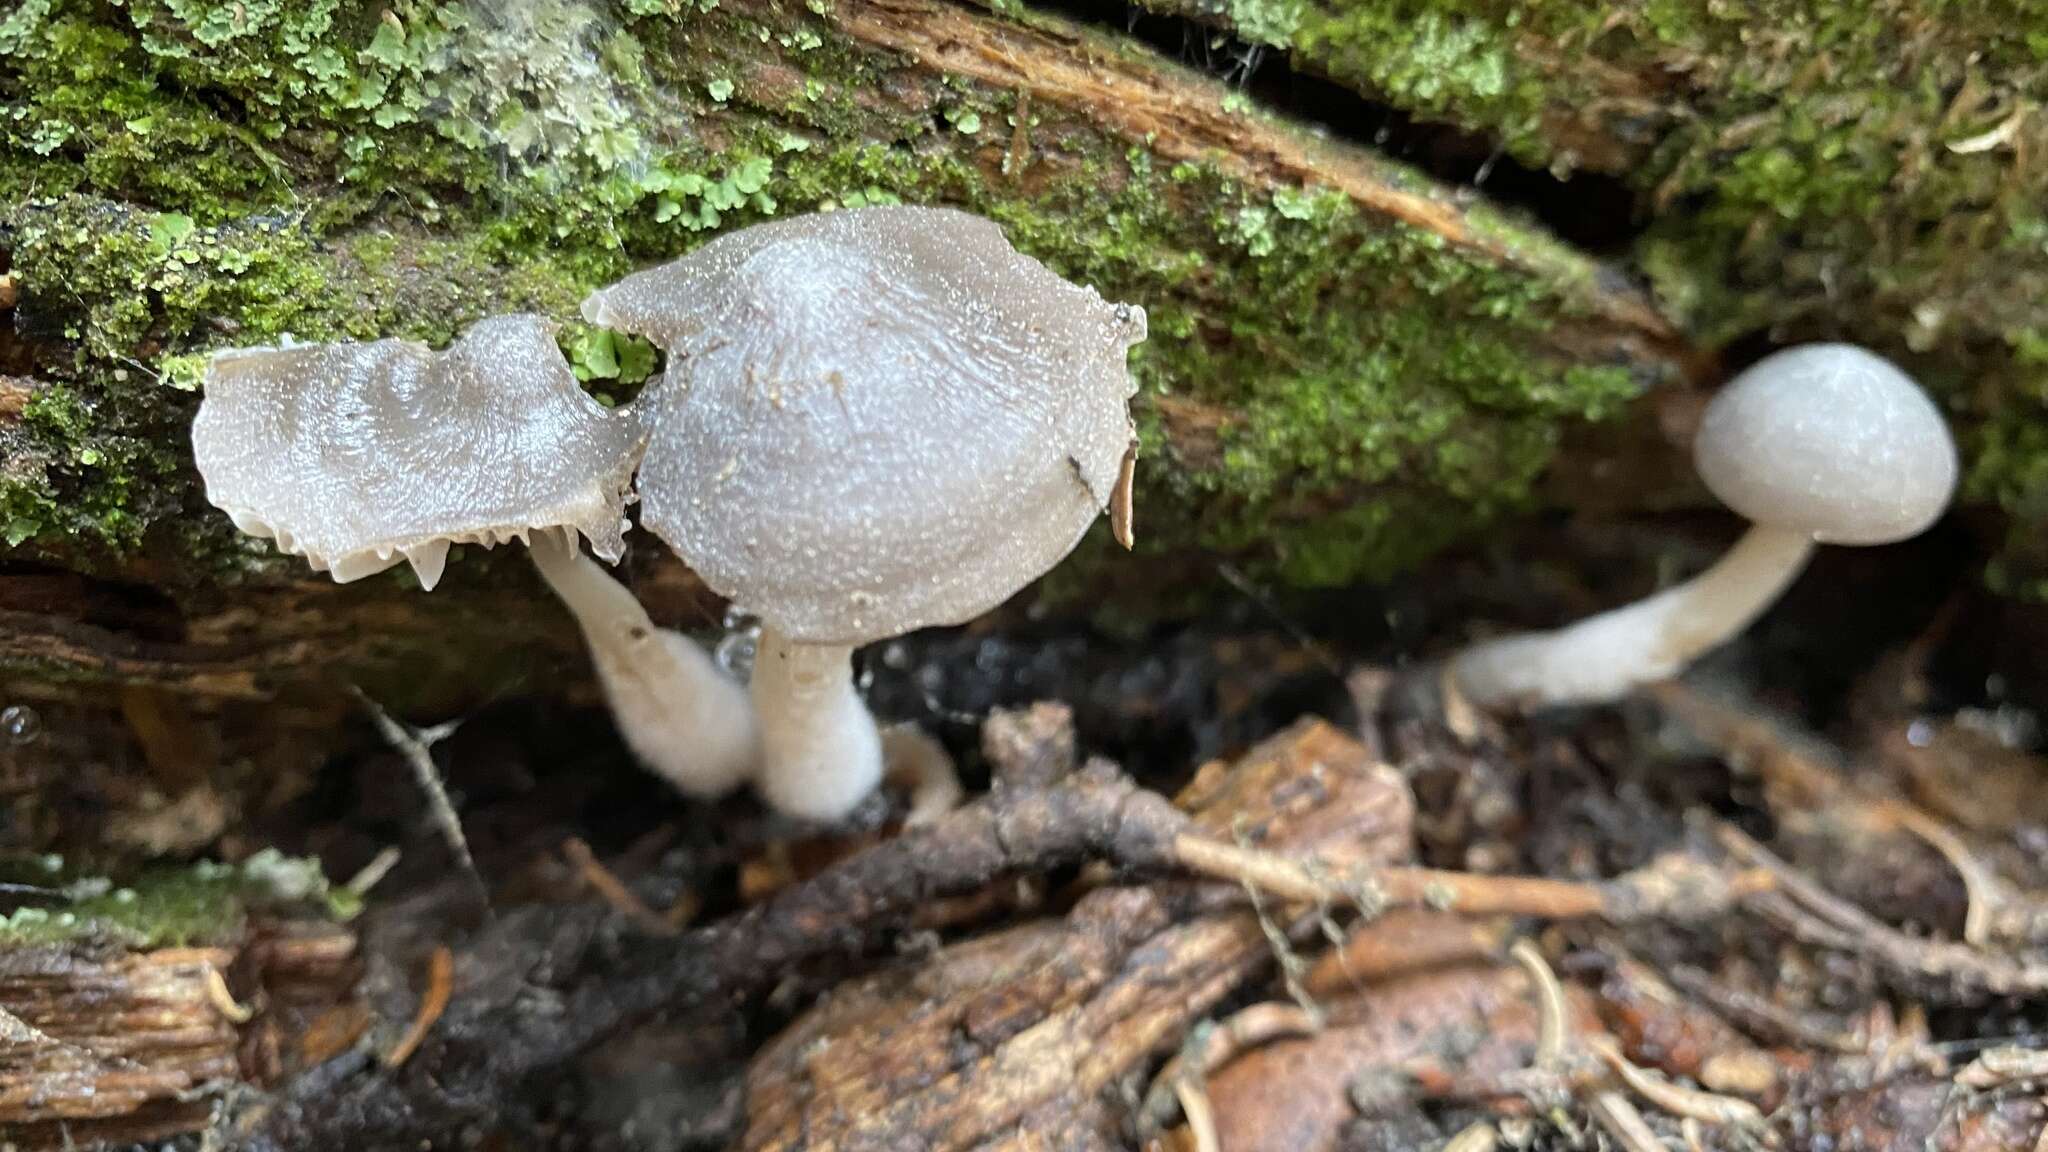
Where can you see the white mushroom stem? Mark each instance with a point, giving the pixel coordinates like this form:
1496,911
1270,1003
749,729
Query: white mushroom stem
683,717
820,751
1605,657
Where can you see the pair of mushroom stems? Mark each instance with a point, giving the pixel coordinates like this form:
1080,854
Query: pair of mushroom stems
806,739
676,709
1605,657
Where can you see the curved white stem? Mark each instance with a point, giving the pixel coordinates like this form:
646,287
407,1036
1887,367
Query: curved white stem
686,720
820,751
1604,657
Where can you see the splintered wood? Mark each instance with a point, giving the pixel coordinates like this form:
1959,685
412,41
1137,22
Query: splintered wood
1006,1041
81,1040
126,1047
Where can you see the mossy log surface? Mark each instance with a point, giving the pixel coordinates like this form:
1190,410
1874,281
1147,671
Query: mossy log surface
1353,362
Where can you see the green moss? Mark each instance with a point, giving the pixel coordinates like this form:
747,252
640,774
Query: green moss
135,297
1383,391
204,903
1853,169
2011,469
1431,59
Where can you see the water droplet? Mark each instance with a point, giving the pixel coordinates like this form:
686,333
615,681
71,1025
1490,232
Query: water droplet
735,651
990,655
20,724
1919,733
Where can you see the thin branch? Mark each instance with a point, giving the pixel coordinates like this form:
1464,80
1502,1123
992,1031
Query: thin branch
1673,887
417,748
1952,972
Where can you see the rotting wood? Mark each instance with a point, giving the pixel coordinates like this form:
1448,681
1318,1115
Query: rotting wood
1054,1011
1464,1024
484,1047
127,1047
92,1040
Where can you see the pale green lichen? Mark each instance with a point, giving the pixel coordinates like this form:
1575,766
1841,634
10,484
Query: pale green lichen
195,904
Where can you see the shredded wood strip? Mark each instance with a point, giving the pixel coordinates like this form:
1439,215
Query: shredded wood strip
621,898
440,986
1478,1137
1194,1104
1550,1009
1620,1120
223,1000
1676,1099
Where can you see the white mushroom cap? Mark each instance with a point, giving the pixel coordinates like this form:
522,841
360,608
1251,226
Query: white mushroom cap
876,420
1829,440
357,456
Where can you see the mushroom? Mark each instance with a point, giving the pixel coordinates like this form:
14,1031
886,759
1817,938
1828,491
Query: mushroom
877,420
358,456
1824,443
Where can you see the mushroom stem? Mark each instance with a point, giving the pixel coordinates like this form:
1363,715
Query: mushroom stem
1605,657
821,753
684,719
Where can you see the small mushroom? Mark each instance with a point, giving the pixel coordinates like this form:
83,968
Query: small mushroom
357,456
1825,443
877,420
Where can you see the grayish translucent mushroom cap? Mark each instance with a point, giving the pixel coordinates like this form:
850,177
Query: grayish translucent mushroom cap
357,456
876,420
1830,440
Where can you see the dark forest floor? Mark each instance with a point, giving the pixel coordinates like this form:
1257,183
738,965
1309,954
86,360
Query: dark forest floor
1796,901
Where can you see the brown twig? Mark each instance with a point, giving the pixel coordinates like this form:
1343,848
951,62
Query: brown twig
1673,887
1762,1017
1404,940
2003,1066
487,1042
1981,887
615,893
416,747
1802,775
440,986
